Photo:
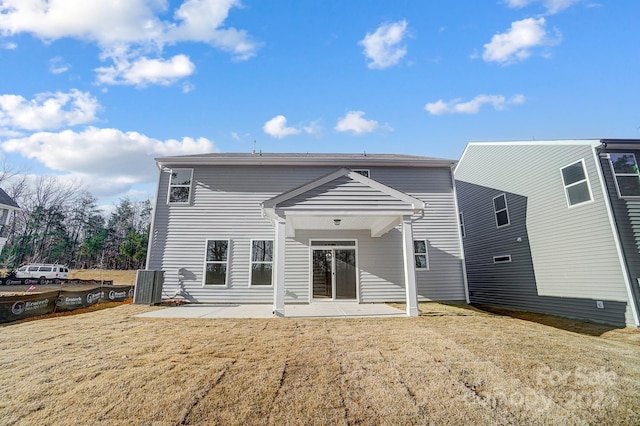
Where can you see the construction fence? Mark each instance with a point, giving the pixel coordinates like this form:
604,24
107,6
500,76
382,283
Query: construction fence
17,307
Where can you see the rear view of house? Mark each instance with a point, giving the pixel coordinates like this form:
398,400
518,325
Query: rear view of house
305,228
552,226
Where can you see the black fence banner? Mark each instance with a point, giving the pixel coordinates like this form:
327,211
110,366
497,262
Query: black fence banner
57,281
116,293
69,300
13,308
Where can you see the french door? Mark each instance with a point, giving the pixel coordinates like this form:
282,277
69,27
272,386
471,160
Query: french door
334,273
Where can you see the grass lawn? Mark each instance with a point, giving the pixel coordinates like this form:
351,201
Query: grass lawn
452,365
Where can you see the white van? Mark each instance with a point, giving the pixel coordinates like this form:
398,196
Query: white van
43,271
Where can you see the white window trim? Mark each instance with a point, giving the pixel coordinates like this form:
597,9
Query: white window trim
251,262
204,266
190,186
425,254
508,256
506,208
363,170
463,230
615,175
586,178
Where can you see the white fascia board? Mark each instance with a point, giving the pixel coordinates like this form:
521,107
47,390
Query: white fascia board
588,142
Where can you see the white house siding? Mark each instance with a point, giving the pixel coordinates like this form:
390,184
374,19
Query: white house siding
226,204
566,259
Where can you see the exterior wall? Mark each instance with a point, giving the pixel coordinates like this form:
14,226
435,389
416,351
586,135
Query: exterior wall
226,204
564,258
626,212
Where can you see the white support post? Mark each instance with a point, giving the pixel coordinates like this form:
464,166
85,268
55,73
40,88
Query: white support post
278,268
409,267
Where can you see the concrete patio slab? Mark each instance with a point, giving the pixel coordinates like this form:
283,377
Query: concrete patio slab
312,310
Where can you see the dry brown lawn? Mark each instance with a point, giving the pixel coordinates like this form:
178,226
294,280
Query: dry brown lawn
452,365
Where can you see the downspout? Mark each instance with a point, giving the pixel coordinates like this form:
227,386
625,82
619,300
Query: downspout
614,230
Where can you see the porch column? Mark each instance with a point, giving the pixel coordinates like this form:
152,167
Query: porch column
278,268
409,267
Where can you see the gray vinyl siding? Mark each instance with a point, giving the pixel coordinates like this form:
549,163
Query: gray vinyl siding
439,226
626,212
344,193
226,204
566,258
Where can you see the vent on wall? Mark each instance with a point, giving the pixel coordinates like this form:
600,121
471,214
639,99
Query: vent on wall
502,259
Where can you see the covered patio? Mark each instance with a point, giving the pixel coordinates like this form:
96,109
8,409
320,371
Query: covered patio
343,200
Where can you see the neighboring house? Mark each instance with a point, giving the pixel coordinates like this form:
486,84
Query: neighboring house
553,226
7,207
304,228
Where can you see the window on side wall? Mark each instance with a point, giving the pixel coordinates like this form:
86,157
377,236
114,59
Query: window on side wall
216,262
461,218
576,184
420,254
180,186
501,210
625,169
261,262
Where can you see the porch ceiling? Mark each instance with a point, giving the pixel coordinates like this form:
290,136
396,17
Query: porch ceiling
377,225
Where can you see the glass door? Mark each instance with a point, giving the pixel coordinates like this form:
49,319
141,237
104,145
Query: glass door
322,274
334,274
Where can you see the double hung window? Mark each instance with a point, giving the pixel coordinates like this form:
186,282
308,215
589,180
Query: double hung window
576,184
216,262
180,186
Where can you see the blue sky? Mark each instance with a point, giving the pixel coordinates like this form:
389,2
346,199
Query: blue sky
93,90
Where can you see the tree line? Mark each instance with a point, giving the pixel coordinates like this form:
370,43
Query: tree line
60,222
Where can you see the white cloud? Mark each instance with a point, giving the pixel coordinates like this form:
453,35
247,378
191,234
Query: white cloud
9,46
58,66
47,110
129,30
144,71
277,127
109,160
354,122
457,106
314,128
552,6
516,44
383,47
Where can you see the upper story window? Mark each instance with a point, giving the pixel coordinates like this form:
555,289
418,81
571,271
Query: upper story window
501,210
576,184
180,186
363,172
461,218
625,169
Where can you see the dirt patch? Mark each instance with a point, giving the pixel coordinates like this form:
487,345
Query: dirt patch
451,365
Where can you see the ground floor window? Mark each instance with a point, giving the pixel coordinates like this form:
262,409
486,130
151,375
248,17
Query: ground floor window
420,254
216,262
261,262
